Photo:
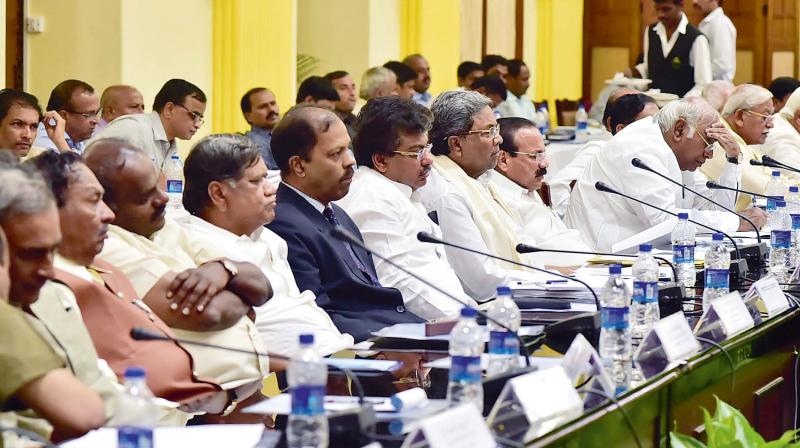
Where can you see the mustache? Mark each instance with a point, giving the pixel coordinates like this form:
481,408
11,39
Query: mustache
273,114
541,172
159,212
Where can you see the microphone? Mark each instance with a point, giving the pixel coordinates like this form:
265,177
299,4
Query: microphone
601,186
715,186
772,161
641,165
340,233
427,238
524,249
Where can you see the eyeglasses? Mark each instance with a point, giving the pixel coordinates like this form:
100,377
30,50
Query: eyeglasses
537,157
196,116
420,378
86,115
418,154
492,132
709,146
764,118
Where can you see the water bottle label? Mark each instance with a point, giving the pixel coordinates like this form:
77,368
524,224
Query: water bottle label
717,278
465,369
175,186
134,437
503,343
645,292
683,253
795,222
781,239
614,318
308,400
771,204
581,126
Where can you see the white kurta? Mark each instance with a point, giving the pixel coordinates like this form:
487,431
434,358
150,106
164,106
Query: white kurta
605,219
721,34
542,224
560,190
389,216
783,145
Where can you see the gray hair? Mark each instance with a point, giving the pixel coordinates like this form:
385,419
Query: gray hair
22,188
745,96
691,111
717,93
374,80
452,115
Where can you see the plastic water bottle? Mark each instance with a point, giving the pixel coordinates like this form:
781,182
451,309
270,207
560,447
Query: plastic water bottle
780,243
794,255
138,412
581,124
503,344
546,115
615,333
717,267
173,170
644,302
774,187
683,243
307,374
466,346
793,200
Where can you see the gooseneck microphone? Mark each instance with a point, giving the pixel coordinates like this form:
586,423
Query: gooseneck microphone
342,234
777,164
526,249
601,186
715,186
641,165
428,238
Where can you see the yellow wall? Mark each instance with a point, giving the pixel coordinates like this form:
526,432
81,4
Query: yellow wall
471,26
501,28
3,47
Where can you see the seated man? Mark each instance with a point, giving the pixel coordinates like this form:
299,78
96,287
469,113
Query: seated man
119,100
492,87
377,82
77,104
405,77
748,117
394,160
467,73
470,212
310,147
783,140
20,114
623,108
230,201
781,88
521,165
90,307
676,142
198,292
318,91
31,371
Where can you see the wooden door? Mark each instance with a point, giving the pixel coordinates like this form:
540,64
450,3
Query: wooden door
14,47
780,31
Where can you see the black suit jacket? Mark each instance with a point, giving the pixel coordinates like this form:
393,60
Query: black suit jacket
321,264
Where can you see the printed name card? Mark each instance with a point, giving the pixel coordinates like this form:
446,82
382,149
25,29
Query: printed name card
462,425
676,337
733,313
547,395
773,299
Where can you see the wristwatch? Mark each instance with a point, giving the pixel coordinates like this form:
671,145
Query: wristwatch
230,267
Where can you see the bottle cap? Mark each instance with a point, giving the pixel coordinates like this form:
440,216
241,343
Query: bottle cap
683,215
134,372
716,237
780,203
776,173
469,312
794,189
503,290
615,269
175,156
645,247
306,339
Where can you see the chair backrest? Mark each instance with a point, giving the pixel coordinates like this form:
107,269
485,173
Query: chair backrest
565,111
538,104
544,193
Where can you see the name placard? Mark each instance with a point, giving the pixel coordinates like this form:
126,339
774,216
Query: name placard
772,297
547,396
733,313
462,425
676,337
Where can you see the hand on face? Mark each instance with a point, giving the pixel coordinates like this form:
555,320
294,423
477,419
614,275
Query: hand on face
719,133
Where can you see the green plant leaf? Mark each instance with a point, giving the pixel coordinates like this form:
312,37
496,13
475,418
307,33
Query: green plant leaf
785,441
678,440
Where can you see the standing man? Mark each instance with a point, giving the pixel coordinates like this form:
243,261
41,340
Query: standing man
76,102
676,54
310,145
721,34
117,101
423,83
517,104
177,114
348,95
261,111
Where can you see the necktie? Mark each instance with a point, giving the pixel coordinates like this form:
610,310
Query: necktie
331,217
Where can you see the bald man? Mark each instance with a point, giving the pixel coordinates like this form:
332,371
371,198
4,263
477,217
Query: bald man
117,101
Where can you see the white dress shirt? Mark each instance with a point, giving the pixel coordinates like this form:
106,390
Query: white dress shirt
560,189
480,275
721,34
289,313
389,216
542,224
605,219
517,106
783,145
699,56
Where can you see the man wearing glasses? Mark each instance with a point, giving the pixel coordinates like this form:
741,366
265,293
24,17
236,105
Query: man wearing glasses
675,143
76,102
394,159
748,116
469,210
177,114
521,167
